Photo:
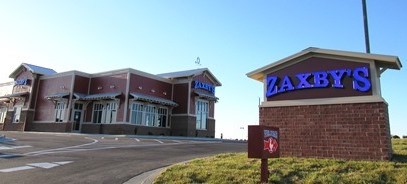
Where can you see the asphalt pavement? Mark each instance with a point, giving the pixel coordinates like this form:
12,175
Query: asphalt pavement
89,158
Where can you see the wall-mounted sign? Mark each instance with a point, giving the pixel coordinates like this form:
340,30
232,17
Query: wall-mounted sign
319,79
21,82
205,86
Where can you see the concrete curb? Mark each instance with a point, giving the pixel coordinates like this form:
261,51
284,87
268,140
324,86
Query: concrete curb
146,177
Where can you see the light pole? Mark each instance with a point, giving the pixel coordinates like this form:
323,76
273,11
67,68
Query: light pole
242,128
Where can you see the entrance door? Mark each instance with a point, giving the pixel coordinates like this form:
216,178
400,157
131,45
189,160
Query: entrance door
77,120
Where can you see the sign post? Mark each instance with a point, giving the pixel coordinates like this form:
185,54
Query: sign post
263,143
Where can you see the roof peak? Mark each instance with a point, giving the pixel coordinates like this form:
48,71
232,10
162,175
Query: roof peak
34,69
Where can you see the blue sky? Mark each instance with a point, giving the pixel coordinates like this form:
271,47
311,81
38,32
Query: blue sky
231,37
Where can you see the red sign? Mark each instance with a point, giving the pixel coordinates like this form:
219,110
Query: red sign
263,142
270,145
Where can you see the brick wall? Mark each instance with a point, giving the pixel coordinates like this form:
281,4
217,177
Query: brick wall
50,127
358,131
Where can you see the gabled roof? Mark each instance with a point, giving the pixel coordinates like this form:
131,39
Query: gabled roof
33,69
189,73
382,61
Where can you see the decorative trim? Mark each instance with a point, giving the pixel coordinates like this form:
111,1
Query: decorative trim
126,98
180,115
63,74
323,101
47,122
189,97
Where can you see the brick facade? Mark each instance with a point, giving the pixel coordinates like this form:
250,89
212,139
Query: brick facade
65,102
352,131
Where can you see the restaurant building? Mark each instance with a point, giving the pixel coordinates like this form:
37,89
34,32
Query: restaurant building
125,101
328,103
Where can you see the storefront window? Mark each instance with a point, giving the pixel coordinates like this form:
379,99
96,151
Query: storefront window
149,115
201,109
17,112
162,117
136,113
3,113
104,112
59,111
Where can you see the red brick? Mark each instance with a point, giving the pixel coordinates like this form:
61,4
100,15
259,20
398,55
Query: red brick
346,131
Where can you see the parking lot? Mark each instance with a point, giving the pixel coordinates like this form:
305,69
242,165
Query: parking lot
81,158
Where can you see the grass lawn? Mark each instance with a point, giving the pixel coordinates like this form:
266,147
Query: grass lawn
237,168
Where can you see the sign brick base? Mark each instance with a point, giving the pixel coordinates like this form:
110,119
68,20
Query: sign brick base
357,131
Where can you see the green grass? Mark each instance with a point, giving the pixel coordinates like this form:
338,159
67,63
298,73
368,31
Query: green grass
237,168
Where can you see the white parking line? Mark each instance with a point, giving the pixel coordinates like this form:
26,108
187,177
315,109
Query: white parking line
115,147
138,140
16,169
63,148
63,163
44,165
159,141
13,147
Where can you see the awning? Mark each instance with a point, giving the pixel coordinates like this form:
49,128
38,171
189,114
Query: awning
14,95
153,99
57,95
207,96
100,96
79,96
4,100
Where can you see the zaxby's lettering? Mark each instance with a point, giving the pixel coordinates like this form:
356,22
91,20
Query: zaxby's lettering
319,79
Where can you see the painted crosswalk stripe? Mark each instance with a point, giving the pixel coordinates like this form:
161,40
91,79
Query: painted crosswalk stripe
44,165
159,141
13,147
16,169
63,163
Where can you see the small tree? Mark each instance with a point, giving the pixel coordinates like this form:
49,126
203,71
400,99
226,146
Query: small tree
395,137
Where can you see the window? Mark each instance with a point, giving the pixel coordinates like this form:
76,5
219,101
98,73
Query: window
97,112
16,116
78,106
3,113
162,117
149,115
137,113
104,112
111,112
59,111
201,107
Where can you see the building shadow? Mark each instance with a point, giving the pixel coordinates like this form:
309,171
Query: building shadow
399,158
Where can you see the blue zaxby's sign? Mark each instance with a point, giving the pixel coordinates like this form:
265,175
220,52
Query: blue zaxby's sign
320,79
21,82
205,86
